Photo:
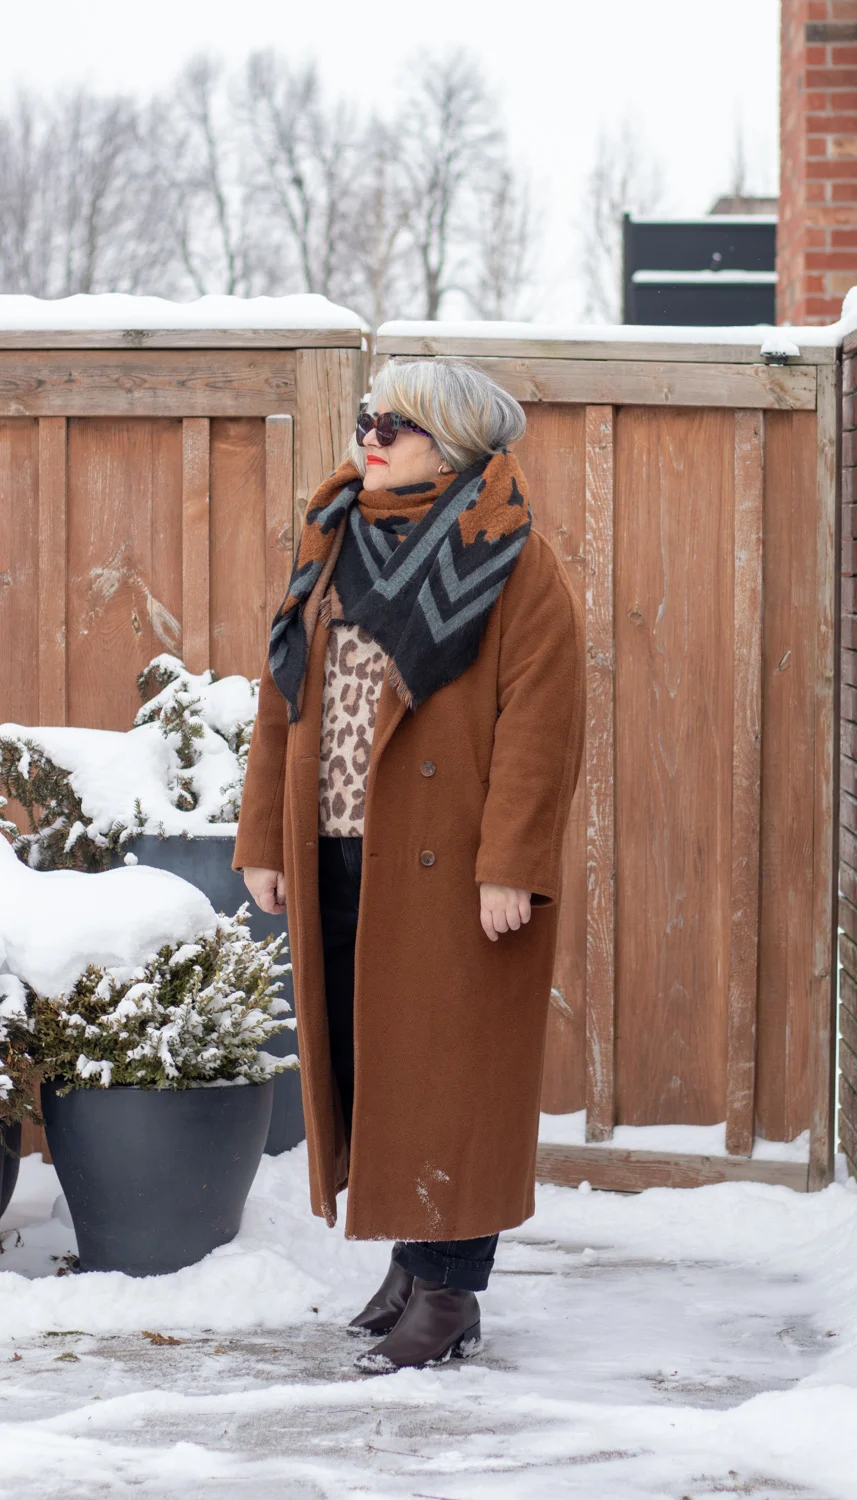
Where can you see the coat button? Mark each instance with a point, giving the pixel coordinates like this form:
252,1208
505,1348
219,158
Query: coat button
427,858
428,768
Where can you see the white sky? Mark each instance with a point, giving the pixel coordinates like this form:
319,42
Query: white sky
684,71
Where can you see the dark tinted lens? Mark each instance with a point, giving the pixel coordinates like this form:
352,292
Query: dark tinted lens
386,426
365,423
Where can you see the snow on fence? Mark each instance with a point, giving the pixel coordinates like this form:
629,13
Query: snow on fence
687,479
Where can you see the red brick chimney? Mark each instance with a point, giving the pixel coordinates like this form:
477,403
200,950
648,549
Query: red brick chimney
817,231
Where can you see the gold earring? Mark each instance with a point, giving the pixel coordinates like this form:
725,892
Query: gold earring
442,469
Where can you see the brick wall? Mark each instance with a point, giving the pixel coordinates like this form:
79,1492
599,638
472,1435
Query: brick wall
817,232
848,762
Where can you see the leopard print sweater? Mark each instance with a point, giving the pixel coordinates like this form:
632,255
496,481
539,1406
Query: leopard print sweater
354,670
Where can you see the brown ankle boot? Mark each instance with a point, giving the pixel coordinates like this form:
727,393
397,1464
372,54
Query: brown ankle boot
382,1312
438,1322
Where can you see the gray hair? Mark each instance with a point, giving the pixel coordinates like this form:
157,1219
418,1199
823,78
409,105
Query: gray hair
467,413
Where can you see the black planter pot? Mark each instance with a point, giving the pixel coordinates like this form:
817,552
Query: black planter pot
155,1178
10,1160
207,864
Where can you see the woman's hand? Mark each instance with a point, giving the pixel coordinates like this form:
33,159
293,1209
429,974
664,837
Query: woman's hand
503,909
268,889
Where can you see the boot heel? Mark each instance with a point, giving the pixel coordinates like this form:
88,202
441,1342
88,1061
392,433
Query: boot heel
469,1343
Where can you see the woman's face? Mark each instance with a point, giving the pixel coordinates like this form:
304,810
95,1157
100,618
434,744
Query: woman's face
411,458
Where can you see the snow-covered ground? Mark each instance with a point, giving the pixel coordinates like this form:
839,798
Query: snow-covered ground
672,1344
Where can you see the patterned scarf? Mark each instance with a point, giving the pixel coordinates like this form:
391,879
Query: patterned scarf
423,589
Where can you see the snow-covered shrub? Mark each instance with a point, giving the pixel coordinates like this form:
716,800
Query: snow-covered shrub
60,835
16,1062
189,707
6,825
179,770
192,1013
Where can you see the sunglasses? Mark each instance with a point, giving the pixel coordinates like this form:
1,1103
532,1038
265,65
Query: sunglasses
387,427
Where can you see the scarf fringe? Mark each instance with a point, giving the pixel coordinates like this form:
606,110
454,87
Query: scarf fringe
394,676
398,682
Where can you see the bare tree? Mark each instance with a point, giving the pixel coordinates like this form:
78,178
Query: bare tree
381,249
74,198
256,182
449,144
503,245
26,235
624,178
205,181
305,165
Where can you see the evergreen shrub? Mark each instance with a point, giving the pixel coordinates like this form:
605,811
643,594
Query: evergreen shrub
191,1014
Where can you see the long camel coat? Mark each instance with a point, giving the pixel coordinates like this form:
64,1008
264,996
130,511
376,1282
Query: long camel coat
474,785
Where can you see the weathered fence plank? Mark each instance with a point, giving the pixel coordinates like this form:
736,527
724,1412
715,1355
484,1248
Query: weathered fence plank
788,753
553,456
749,486
648,383
238,545
525,346
673,782
600,742
329,385
196,543
20,567
825,849
279,509
631,1171
147,383
182,338
53,481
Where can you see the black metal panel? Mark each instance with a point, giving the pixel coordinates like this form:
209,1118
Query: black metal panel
693,303
718,243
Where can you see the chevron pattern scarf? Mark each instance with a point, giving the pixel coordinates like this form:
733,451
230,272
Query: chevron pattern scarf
423,589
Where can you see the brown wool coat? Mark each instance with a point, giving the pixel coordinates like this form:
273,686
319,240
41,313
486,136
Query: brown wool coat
449,1026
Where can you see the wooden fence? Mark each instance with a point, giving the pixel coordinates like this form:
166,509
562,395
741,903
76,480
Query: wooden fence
149,500
151,485
691,493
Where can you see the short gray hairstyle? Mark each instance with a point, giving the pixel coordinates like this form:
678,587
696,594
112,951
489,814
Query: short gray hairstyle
467,413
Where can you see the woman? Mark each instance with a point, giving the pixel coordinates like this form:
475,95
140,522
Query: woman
417,746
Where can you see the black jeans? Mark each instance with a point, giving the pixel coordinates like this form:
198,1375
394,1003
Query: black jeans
461,1263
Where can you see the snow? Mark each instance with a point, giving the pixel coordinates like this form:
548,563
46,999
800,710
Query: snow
597,333
54,923
779,343
696,1140
110,769
120,310
728,219
706,277
225,702
825,336
674,1343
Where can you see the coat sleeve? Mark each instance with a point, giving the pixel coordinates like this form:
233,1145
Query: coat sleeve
259,841
539,733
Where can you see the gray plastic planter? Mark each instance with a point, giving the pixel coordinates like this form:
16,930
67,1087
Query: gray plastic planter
207,864
10,1160
155,1178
